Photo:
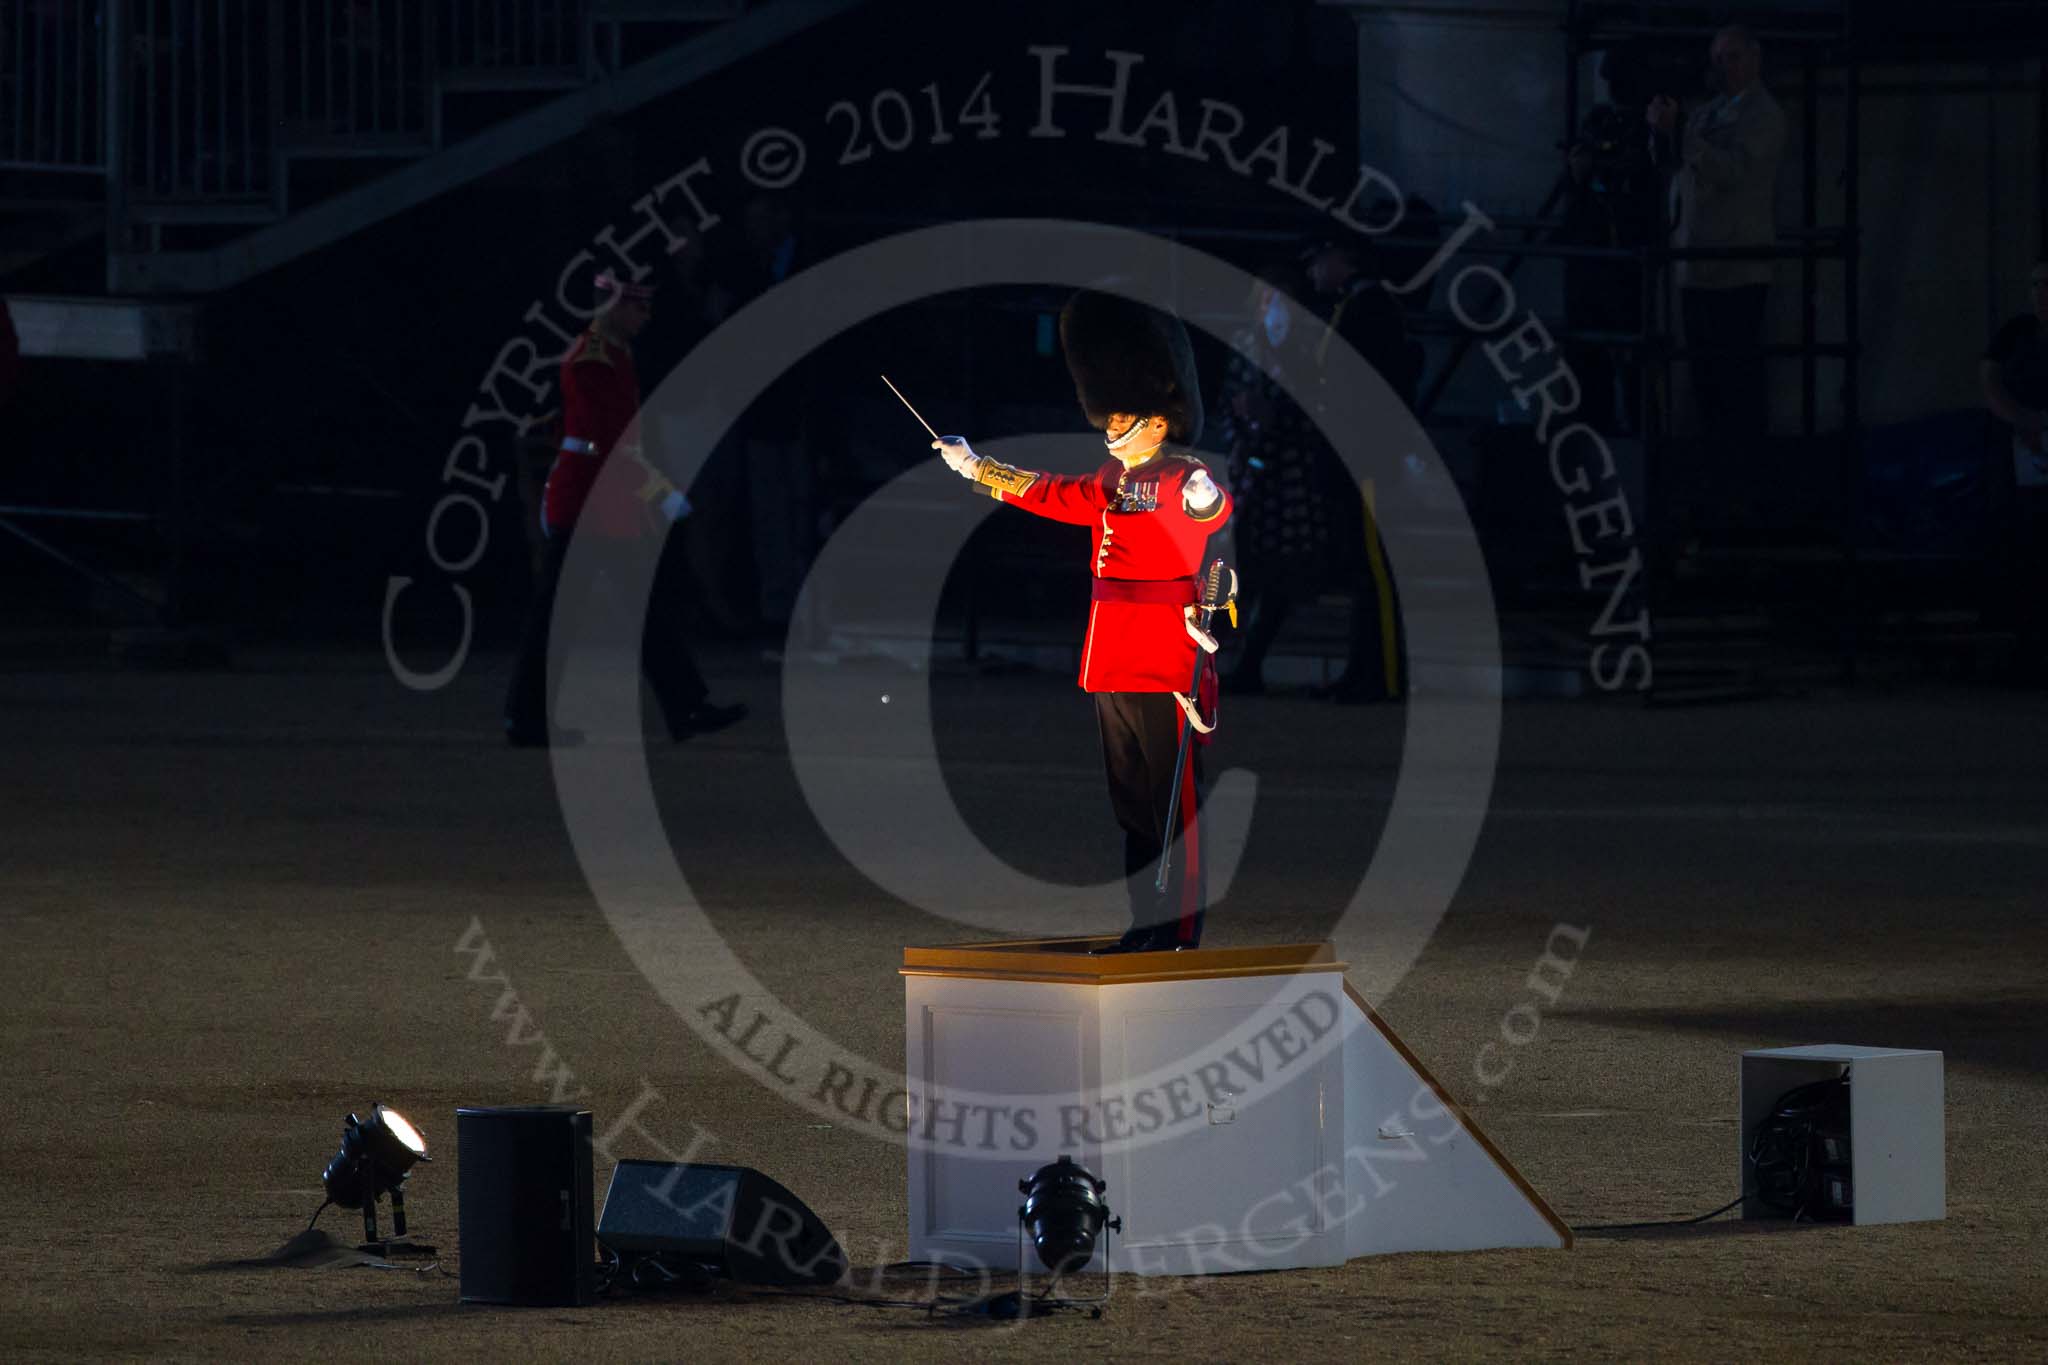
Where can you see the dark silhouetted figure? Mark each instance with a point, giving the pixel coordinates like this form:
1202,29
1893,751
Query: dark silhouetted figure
600,404
1276,465
2014,375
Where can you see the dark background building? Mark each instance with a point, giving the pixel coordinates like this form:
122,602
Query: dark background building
337,215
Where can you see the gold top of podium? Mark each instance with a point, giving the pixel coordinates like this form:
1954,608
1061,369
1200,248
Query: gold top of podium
1072,961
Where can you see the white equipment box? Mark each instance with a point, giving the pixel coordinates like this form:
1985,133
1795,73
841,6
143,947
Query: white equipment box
1897,1156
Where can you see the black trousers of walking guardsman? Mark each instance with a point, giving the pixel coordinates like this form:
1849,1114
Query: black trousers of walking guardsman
665,658
1140,740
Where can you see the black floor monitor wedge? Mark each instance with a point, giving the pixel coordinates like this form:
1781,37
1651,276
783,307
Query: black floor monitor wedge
730,1220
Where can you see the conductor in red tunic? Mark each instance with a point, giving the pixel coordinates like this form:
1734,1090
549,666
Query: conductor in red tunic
1150,510
600,400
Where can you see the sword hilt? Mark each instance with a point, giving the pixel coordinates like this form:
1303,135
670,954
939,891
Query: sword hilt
1214,598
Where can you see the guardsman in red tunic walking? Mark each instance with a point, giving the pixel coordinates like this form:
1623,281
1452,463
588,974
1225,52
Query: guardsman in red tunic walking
1150,510
600,400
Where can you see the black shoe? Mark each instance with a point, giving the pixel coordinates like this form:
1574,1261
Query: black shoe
1147,938
521,737
704,718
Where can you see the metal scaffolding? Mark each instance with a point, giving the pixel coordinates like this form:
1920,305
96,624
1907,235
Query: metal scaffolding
1834,44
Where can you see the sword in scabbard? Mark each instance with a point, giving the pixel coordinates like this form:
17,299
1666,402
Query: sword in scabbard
1213,600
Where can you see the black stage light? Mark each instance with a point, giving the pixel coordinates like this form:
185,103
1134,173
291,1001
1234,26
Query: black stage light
375,1157
1064,1216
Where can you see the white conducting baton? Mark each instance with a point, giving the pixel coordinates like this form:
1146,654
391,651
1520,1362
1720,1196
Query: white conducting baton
913,411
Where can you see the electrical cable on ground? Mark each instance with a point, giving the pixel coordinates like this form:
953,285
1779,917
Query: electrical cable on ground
1662,1222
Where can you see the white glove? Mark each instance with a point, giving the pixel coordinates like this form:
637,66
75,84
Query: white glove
958,455
1200,492
675,506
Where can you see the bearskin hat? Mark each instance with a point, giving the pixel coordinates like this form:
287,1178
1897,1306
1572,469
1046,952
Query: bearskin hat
1127,357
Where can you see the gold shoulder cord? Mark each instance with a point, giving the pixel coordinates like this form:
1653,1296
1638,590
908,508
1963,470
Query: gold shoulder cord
1001,478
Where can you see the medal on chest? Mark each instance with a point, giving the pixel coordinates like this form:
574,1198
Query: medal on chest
1142,496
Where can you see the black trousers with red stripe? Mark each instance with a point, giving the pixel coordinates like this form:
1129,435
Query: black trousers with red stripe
1140,740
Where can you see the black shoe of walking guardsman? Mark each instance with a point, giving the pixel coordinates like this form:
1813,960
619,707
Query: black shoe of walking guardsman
704,718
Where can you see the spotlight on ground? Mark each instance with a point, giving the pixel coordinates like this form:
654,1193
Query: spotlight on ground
376,1156
1064,1214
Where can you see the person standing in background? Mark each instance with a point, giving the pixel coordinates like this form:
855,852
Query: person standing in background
1726,170
1357,311
776,435
2014,376
1282,519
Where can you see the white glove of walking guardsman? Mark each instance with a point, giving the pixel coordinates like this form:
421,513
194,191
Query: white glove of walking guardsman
1200,492
958,455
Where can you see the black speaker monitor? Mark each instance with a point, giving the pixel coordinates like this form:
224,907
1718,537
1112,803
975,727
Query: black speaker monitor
524,1189
730,1219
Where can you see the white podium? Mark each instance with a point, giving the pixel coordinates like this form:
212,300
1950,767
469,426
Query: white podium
1897,1153
1247,1109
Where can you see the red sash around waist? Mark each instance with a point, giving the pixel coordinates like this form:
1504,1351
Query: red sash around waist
1173,592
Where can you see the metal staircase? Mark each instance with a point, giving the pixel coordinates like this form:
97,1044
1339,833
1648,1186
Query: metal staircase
205,142
229,137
